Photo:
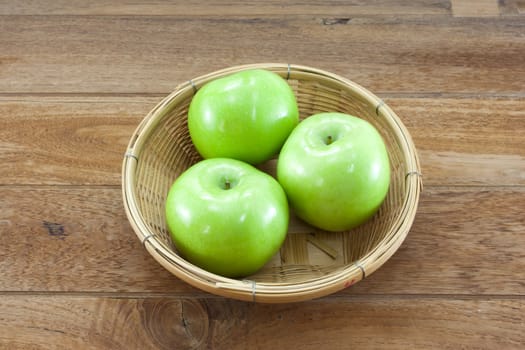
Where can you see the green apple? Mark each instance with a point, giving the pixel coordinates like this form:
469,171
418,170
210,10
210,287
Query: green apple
335,171
226,216
246,116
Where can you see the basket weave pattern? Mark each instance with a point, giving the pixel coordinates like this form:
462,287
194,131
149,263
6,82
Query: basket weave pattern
311,263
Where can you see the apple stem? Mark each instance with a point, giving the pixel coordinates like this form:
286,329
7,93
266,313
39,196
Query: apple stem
329,139
227,184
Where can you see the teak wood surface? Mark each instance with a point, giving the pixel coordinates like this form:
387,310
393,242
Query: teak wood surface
77,77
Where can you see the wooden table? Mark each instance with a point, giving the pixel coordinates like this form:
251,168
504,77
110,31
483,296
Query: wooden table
77,77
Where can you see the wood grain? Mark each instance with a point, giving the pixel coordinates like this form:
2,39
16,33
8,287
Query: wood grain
467,141
49,322
341,9
74,239
77,77
224,8
105,323
475,8
392,323
75,54
82,140
463,241
67,141
512,7
77,239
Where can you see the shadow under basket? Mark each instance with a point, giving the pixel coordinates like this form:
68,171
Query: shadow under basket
311,263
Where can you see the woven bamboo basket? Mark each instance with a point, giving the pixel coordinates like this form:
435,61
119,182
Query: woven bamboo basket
311,263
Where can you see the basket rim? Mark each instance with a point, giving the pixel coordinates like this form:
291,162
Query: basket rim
272,292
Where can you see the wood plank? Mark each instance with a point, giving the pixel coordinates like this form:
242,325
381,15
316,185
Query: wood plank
67,141
467,141
463,241
77,239
224,8
81,140
139,54
74,239
475,8
413,323
54,322
512,7
256,8
169,323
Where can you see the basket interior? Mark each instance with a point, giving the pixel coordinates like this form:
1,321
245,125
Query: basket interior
308,253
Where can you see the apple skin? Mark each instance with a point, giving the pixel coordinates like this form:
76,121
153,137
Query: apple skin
231,231
339,184
246,116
